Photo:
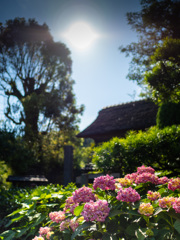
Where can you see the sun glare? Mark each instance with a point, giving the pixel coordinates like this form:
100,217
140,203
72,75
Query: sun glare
80,35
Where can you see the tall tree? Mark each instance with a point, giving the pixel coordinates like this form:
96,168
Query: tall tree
158,20
35,77
163,80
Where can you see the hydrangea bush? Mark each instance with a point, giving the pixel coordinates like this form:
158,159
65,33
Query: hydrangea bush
139,206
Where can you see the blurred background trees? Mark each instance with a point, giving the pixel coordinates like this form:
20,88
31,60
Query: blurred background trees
155,63
155,57
35,78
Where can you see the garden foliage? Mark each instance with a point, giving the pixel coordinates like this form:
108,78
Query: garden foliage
139,206
28,209
157,147
15,153
168,114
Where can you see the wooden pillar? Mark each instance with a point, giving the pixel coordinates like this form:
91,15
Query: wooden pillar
68,164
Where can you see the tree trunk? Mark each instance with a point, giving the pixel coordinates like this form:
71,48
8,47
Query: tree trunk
31,110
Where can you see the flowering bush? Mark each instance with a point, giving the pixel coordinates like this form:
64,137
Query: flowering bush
104,182
83,194
128,195
96,211
111,209
146,209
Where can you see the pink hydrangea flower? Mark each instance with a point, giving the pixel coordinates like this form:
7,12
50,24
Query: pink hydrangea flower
73,224
38,238
104,182
144,169
163,180
57,216
45,232
174,184
146,209
166,202
96,211
83,194
131,176
64,224
70,205
176,205
153,195
146,177
128,195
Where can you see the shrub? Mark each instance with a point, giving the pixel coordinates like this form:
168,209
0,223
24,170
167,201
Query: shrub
148,209
4,172
16,153
157,147
11,199
168,114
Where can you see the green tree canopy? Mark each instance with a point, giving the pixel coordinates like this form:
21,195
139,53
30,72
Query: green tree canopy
35,77
158,28
164,78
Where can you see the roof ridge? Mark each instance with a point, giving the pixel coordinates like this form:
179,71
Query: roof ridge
124,103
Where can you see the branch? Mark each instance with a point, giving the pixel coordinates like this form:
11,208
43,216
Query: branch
9,117
15,92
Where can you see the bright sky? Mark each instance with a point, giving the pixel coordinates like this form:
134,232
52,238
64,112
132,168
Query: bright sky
93,30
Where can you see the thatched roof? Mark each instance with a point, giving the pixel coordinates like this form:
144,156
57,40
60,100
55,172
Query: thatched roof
117,120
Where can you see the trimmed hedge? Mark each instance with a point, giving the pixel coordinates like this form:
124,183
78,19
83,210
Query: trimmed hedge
159,148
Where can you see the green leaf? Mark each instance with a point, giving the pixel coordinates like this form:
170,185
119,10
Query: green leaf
20,211
78,210
178,237
21,232
161,234
97,234
8,235
173,214
140,234
66,235
81,228
158,210
112,226
106,236
177,225
114,238
17,219
130,230
133,212
31,232
115,213
36,198
31,218
38,221
8,224
56,195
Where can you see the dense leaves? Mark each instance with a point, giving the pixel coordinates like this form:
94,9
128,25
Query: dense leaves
163,79
157,20
16,154
168,114
160,148
154,215
156,54
28,209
